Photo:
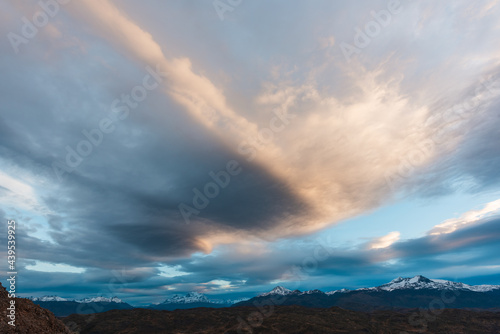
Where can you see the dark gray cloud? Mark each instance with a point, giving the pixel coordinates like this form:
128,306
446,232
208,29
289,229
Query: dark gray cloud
128,190
483,234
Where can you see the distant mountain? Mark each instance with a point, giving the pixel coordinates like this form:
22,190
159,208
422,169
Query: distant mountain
420,282
48,299
62,307
192,300
85,300
279,290
192,297
410,292
337,291
100,300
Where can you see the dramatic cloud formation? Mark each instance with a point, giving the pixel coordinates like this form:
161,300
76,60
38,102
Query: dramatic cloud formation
187,152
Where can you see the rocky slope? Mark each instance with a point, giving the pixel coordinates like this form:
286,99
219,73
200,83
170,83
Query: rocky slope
30,318
284,319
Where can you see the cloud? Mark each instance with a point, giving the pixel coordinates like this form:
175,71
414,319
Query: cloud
385,241
319,139
51,268
388,124
482,234
16,193
466,219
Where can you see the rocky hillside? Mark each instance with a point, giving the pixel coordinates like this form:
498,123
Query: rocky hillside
30,318
284,319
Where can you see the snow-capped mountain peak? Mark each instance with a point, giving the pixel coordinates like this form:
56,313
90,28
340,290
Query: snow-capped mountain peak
279,290
191,297
196,297
84,300
337,291
100,299
310,292
48,299
420,282
416,282
397,280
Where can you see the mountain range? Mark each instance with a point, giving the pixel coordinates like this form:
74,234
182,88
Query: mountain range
418,282
62,307
192,300
85,300
391,309
409,292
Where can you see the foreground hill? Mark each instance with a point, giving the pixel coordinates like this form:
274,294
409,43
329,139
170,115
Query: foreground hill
30,318
284,319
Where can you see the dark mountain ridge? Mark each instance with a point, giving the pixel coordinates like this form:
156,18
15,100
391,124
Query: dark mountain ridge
65,308
410,292
415,292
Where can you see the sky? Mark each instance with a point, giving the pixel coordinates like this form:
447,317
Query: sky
160,147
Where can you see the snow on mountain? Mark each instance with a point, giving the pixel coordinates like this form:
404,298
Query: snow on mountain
234,301
48,299
279,290
196,297
219,301
228,301
420,282
337,291
483,288
100,299
85,300
192,297
309,292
